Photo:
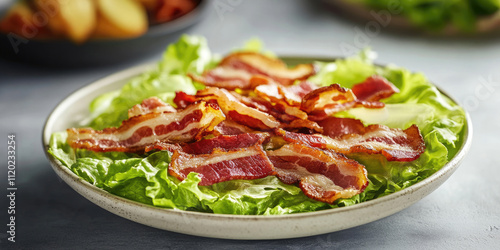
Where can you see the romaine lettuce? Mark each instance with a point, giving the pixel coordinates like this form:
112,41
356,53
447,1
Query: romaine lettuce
145,178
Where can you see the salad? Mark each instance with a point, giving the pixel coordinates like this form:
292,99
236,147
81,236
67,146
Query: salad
435,15
145,176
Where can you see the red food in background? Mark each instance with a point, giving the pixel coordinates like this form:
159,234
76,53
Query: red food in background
168,10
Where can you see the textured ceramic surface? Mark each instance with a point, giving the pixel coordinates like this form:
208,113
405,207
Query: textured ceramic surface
72,110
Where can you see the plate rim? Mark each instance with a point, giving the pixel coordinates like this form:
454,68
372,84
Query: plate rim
67,175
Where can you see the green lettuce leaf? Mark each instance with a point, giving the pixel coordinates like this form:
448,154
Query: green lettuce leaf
346,72
263,196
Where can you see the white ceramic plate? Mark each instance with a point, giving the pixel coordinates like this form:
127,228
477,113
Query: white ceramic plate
72,110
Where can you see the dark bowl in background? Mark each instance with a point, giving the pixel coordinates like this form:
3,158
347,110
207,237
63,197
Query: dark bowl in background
98,52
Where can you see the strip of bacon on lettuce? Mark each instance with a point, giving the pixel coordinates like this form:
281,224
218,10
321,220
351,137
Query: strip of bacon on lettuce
222,165
394,144
321,174
236,70
137,132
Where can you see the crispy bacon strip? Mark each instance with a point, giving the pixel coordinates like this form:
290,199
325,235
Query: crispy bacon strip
150,105
292,94
322,175
280,102
337,127
332,97
222,142
282,112
226,143
243,163
236,70
323,102
139,131
259,64
303,126
284,102
299,90
268,89
225,77
182,100
163,146
236,110
230,127
374,88
394,144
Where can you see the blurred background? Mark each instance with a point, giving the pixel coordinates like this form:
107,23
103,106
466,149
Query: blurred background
49,49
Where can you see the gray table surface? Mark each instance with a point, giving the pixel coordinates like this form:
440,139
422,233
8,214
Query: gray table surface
463,213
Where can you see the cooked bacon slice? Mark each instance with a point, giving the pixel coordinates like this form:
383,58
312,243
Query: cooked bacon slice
285,102
259,64
292,94
239,110
206,146
282,112
394,144
243,163
300,90
236,110
268,89
226,143
374,88
236,70
259,104
253,102
163,146
230,127
150,105
303,126
225,77
139,131
322,175
324,97
182,100
291,111
323,102
336,127
282,103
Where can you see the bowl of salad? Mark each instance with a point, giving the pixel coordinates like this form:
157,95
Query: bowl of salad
440,17
256,146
